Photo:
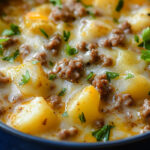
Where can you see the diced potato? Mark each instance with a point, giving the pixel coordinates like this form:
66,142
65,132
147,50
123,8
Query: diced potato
87,2
95,28
38,85
128,60
138,86
39,19
139,20
86,101
33,117
107,6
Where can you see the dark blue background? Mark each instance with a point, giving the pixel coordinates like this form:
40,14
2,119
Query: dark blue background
10,142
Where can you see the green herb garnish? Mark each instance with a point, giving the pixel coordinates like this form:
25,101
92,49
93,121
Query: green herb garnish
66,35
136,38
25,78
65,114
56,3
52,76
82,118
146,55
3,40
115,20
103,133
71,51
119,5
1,46
90,76
12,57
91,14
146,39
112,75
62,92
35,62
146,34
14,30
44,33
51,63
129,76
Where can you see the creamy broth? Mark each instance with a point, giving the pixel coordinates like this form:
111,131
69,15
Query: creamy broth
70,68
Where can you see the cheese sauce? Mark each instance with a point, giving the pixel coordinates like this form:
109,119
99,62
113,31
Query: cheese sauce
75,70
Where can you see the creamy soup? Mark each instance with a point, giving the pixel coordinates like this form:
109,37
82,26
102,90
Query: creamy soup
75,70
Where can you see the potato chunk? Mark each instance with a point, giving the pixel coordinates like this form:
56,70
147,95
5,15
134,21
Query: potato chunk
128,60
38,84
138,86
139,20
38,19
86,101
95,28
107,6
33,117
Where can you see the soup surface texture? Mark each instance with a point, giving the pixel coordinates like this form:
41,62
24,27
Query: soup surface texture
75,70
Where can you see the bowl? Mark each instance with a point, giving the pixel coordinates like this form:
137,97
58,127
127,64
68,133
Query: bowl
17,140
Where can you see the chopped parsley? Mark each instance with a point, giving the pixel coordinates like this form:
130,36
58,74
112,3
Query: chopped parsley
65,114
66,35
35,62
25,78
71,51
103,133
119,5
44,33
146,39
90,76
146,55
12,57
111,75
62,92
91,14
3,40
82,118
56,3
14,30
51,63
136,38
52,76
1,46
146,34
115,20
129,76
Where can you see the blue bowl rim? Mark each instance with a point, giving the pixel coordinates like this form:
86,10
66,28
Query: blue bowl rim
74,145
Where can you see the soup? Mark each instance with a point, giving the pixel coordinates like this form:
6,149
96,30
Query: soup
75,70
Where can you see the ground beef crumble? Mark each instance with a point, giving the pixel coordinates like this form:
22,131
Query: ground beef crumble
99,123
102,85
94,54
42,57
10,42
24,50
54,44
69,11
117,37
67,133
121,100
55,101
69,69
146,108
